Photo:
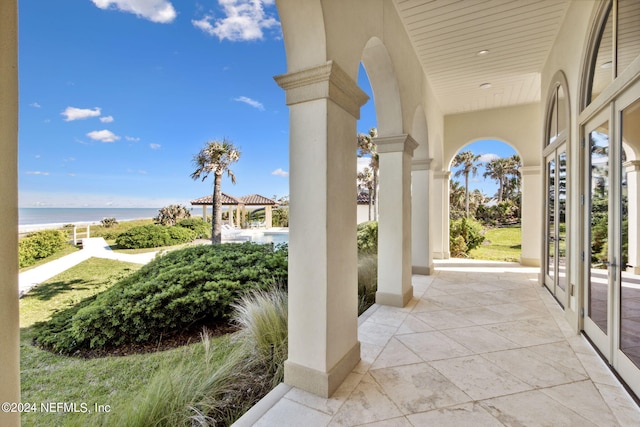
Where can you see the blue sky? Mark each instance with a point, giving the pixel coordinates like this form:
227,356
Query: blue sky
117,96
488,150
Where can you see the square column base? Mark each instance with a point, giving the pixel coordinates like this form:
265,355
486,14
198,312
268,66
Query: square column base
321,383
422,270
394,300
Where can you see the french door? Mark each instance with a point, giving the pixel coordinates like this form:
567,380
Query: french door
556,220
612,252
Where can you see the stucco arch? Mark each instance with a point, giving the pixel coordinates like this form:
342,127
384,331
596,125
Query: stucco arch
499,140
302,26
520,126
384,83
420,132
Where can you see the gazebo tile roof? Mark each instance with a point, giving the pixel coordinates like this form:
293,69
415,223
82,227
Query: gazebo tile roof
208,200
257,200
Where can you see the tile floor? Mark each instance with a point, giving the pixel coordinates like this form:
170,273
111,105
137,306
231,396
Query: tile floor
482,345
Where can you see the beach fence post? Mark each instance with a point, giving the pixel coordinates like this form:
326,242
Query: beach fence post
75,235
88,230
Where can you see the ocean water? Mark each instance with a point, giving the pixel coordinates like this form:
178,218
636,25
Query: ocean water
55,216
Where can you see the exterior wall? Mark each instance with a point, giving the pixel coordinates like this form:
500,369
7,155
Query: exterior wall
520,126
567,55
362,214
9,321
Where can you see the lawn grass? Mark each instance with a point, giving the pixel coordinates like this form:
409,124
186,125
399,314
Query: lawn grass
113,381
501,244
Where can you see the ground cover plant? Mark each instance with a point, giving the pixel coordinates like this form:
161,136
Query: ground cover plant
501,244
182,289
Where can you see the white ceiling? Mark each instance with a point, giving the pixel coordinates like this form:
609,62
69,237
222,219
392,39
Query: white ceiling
448,34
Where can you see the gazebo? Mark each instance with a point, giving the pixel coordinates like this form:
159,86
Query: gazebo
258,200
240,204
227,200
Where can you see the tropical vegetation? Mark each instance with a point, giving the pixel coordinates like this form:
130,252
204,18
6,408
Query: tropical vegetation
480,212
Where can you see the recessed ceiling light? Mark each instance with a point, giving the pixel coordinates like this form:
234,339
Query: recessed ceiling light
607,64
482,52
485,85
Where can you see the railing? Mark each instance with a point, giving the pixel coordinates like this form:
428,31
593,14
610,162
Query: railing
78,233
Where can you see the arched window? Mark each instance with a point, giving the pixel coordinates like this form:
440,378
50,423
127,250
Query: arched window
557,119
617,45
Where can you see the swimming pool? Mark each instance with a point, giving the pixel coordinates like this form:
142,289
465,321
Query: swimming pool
276,236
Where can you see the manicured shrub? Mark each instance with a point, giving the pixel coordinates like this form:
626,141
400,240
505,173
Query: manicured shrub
181,289
472,234
201,227
154,236
40,244
367,234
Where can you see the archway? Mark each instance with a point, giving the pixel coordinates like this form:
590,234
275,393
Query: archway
485,188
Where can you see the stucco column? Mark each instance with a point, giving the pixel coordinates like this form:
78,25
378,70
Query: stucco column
440,214
204,212
633,215
394,220
324,104
230,219
9,317
268,217
421,252
531,219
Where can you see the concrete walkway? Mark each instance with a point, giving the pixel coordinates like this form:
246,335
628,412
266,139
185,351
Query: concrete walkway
95,247
480,344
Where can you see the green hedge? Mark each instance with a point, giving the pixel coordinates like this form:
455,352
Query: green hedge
202,228
154,236
38,245
184,288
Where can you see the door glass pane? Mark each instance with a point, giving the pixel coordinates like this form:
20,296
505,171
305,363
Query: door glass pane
599,221
551,227
562,221
602,67
628,32
630,237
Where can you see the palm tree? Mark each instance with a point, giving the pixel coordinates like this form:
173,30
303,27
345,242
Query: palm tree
366,147
216,157
467,160
498,169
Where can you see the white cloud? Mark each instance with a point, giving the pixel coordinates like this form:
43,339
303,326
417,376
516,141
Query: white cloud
363,162
103,136
280,172
244,20
35,105
131,138
160,11
106,119
37,173
73,113
249,101
154,146
485,158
